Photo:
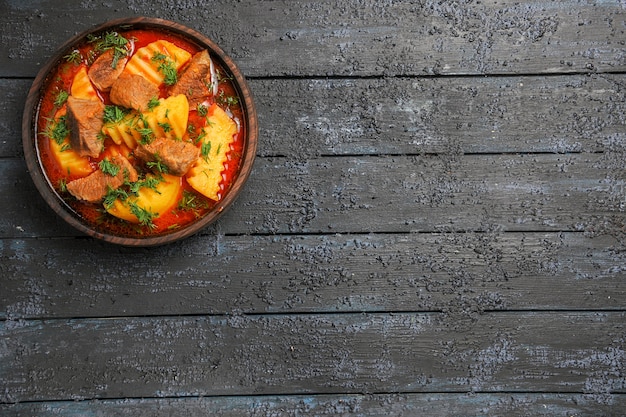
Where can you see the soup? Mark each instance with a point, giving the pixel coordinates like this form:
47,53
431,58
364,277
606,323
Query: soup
140,132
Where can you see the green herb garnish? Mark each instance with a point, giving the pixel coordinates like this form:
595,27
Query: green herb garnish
144,216
167,67
202,110
191,201
147,134
153,103
114,114
110,41
74,57
225,100
149,182
200,137
205,149
108,167
61,98
165,126
112,195
58,130
221,77
157,165
63,185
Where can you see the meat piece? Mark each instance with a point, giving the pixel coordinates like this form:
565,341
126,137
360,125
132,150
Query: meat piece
133,91
85,120
177,155
96,185
195,81
104,71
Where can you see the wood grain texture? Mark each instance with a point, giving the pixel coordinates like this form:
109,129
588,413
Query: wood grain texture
12,98
555,114
297,354
360,405
458,274
324,37
433,193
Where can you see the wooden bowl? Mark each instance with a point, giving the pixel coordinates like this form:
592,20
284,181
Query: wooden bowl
61,206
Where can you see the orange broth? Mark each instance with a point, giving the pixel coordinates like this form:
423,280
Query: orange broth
94,214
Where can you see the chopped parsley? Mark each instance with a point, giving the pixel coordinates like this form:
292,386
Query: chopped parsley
114,114
230,101
221,77
167,67
210,85
205,149
114,194
165,126
58,130
123,194
200,137
144,216
74,57
129,188
194,134
149,182
157,165
191,201
63,185
202,110
147,134
110,41
153,103
109,168
61,98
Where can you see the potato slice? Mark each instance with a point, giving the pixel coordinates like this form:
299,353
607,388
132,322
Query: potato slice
82,87
148,59
206,174
154,202
169,118
124,131
70,161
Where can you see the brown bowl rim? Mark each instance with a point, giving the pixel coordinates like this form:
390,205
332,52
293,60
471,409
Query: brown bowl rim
58,204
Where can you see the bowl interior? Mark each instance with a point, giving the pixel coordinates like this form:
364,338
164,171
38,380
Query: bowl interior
59,203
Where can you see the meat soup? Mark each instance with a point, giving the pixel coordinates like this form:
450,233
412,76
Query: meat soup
140,132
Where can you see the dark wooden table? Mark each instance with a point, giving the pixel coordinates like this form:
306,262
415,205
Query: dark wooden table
435,223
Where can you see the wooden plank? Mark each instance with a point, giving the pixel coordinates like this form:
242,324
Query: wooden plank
546,192
330,37
302,118
371,405
405,194
25,211
303,354
466,273
433,193
12,98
